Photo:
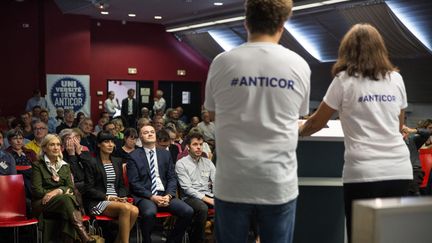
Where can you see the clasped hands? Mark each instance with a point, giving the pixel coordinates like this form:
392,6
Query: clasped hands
47,197
161,201
117,199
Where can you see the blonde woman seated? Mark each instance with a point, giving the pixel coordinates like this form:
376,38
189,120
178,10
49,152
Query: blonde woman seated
105,192
52,194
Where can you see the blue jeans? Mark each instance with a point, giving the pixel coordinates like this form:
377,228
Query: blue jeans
275,223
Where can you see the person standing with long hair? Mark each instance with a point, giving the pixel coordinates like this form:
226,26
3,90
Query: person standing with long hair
370,96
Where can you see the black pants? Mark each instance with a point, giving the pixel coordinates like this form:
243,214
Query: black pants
199,219
414,185
366,190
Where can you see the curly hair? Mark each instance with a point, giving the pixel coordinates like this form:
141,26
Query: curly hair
266,16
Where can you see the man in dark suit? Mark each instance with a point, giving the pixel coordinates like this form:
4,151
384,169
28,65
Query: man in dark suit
129,109
153,185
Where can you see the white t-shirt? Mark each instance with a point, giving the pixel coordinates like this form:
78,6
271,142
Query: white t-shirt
369,112
258,91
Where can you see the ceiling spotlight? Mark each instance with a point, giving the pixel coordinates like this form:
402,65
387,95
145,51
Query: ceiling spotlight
104,12
157,17
218,3
132,15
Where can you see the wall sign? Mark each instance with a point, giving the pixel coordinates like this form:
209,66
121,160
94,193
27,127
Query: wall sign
68,92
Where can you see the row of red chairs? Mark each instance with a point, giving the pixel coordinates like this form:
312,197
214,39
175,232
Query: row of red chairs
13,215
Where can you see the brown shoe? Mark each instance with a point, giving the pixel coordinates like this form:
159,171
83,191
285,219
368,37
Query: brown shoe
77,223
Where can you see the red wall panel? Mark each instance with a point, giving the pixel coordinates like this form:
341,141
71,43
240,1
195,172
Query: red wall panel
19,52
58,43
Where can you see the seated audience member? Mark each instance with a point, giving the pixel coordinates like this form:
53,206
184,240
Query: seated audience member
88,139
206,151
208,128
16,124
153,185
145,113
75,155
142,122
158,123
7,164
99,125
22,157
414,139
52,123
181,115
69,118
36,100
427,124
27,125
59,115
79,117
129,144
40,130
173,117
36,112
118,123
52,191
196,176
163,141
106,193
110,127
193,123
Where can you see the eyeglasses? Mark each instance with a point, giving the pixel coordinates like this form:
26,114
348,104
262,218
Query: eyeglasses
40,128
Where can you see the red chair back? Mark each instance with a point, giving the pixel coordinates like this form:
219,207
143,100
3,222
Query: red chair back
426,163
12,198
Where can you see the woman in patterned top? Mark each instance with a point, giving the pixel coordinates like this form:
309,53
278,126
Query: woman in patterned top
105,192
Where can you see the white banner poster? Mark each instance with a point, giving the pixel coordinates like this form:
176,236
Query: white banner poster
68,92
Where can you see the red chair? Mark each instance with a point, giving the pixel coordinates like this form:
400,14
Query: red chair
426,163
13,205
23,167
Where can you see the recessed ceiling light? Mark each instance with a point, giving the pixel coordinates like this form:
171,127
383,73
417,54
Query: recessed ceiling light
157,17
104,12
218,3
132,15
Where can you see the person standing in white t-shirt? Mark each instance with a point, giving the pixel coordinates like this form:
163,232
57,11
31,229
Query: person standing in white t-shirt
370,97
257,92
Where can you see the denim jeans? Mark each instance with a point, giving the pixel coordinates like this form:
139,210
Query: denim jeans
275,223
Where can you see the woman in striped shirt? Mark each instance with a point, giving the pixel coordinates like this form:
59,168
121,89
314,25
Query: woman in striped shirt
105,192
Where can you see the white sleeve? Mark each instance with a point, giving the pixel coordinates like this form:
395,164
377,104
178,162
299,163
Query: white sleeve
304,108
334,95
404,99
108,107
209,103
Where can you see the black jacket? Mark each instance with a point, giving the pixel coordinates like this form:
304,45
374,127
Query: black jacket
96,180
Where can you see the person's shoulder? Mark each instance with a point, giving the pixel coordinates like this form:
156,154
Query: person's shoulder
207,161
116,159
136,152
162,151
395,76
183,160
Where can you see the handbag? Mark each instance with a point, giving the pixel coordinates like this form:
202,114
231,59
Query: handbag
95,232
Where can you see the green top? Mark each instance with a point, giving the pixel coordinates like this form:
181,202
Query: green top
42,181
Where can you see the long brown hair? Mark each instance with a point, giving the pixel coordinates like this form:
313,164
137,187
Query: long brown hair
362,52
